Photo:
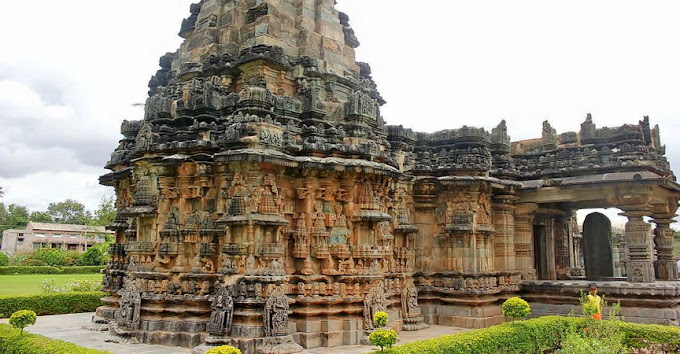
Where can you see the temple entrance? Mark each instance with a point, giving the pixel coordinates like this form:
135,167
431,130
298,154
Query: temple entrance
541,252
597,249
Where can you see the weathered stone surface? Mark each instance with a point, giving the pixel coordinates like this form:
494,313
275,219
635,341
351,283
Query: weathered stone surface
264,203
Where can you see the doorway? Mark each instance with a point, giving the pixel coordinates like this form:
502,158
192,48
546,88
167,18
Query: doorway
541,252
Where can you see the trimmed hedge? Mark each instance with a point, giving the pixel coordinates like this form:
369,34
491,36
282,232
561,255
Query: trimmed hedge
11,342
25,270
51,304
539,335
11,270
82,270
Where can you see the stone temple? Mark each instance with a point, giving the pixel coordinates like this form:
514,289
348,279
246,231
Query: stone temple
263,202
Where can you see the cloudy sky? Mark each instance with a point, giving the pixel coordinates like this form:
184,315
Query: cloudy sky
70,72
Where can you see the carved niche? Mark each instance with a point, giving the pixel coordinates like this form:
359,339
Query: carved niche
128,314
222,306
375,301
275,316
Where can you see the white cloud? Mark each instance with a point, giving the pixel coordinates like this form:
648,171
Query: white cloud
70,72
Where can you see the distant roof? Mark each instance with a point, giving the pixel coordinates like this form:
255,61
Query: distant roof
67,227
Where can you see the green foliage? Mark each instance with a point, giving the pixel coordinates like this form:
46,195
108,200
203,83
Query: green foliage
49,286
573,343
32,262
383,338
82,270
225,349
106,212
69,212
544,334
94,256
12,342
22,319
51,304
13,270
516,308
16,259
380,319
40,216
13,217
51,257
4,259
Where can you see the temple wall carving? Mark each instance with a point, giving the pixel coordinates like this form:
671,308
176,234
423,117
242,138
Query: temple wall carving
263,202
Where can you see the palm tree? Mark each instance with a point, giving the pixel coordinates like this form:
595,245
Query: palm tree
2,193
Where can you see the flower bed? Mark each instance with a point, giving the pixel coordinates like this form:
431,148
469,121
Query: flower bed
545,334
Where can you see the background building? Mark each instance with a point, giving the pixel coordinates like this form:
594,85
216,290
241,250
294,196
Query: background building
61,236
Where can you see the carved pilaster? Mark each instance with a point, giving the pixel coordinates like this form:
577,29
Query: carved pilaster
504,240
639,266
524,219
665,267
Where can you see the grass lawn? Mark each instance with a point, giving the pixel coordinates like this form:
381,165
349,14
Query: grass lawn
32,284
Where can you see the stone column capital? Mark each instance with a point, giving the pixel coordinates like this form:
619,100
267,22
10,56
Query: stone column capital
525,209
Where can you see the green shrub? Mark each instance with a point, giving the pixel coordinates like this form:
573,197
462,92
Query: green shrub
544,334
22,319
82,270
593,340
11,270
12,342
16,259
32,262
72,258
380,319
94,256
383,338
22,270
51,256
4,259
49,286
516,309
51,304
225,349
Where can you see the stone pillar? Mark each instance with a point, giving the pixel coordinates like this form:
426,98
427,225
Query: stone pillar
562,249
504,239
665,267
524,258
639,265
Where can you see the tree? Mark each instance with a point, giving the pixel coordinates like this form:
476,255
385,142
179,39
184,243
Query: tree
40,216
106,212
13,217
2,192
22,319
69,212
94,256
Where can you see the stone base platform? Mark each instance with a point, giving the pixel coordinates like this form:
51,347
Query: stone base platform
70,328
653,303
462,316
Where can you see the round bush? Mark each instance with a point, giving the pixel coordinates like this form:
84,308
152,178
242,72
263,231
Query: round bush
516,309
22,319
4,259
225,349
32,262
383,338
380,319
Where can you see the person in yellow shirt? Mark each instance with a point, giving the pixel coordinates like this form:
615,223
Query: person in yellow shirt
596,300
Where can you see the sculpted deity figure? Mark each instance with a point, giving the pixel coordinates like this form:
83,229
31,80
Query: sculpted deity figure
276,314
222,305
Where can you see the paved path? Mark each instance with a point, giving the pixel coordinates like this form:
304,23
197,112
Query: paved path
70,328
